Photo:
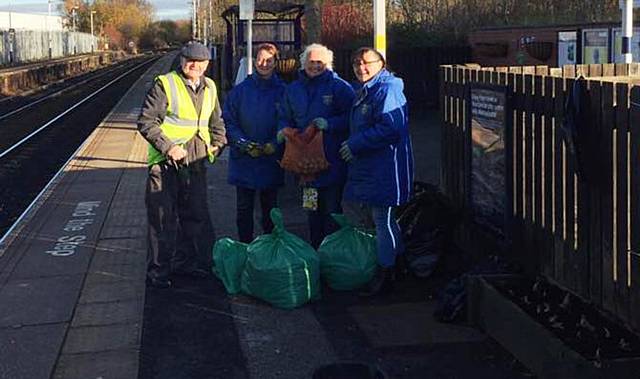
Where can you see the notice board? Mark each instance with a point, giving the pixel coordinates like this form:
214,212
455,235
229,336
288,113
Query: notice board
490,120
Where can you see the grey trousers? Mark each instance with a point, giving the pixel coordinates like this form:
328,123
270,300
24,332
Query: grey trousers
180,234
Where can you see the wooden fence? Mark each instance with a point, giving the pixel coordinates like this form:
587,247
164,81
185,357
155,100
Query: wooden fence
581,232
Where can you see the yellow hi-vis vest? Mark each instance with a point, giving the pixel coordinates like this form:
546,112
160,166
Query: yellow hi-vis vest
182,122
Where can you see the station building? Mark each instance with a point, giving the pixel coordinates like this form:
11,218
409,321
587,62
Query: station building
30,21
553,46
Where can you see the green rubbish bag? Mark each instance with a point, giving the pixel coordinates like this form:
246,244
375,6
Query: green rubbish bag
347,257
281,268
229,257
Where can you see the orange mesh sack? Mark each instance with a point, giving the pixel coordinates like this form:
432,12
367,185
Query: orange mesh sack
304,153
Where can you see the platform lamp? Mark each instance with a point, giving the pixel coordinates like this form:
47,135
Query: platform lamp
92,37
73,20
73,17
49,2
11,36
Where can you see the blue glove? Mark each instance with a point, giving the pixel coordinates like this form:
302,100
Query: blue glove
280,137
320,123
345,152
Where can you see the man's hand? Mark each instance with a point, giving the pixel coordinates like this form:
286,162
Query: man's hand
176,153
320,123
268,149
345,152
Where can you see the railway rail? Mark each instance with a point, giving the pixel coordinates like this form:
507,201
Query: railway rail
41,133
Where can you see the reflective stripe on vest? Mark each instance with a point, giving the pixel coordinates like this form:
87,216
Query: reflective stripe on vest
182,122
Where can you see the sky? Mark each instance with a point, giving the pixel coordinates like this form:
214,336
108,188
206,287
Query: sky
165,9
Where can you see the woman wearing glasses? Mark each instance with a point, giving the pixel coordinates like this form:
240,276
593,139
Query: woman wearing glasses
380,157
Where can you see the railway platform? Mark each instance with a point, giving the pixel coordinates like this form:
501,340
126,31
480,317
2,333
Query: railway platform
73,302
29,77
72,272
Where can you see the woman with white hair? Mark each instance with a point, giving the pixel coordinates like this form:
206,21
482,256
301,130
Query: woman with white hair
320,98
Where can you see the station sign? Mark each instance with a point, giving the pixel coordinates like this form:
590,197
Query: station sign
246,9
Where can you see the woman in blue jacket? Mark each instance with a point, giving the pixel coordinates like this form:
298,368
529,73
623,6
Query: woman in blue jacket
251,119
380,156
320,98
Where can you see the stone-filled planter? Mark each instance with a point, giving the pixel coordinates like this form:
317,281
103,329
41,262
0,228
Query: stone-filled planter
532,343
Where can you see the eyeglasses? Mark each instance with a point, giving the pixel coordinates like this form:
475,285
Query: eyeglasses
364,63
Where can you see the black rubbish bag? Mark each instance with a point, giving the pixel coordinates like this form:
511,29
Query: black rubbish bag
426,222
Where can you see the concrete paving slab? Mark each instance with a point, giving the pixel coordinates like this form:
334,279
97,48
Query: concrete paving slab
89,339
39,262
387,325
63,239
39,301
271,345
106,288
115,312
92,180
30,352
118,272
118,252
132,245
106,365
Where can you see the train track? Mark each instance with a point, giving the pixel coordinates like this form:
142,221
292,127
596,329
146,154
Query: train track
39,136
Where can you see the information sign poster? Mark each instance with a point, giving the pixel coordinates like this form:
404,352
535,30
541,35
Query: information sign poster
567,48
595,46
488,155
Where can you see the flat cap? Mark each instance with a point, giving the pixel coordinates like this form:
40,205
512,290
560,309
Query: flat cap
196,51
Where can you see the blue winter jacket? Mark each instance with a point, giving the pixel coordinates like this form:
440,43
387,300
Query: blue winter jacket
381,172
250,113
328,96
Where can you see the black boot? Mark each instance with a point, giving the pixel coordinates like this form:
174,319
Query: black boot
381,282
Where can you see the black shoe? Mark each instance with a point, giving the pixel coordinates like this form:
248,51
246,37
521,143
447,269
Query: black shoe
402,267
158,282
196,273
382,282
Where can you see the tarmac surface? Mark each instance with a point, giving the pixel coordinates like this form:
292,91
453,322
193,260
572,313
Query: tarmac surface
78,308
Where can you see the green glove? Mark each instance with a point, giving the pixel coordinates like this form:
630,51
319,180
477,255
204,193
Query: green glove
345,152
254,150
280,137
243,145
268,148
320,123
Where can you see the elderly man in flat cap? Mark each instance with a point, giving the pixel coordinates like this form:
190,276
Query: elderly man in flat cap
181,120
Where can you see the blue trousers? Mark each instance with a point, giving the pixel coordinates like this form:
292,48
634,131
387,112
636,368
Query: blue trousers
245,199
388,235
